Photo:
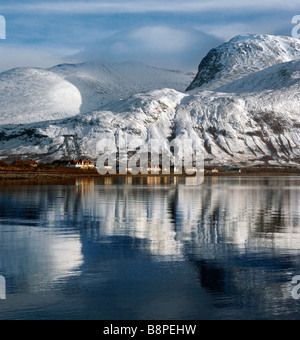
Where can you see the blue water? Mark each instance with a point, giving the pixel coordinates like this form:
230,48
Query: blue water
99,249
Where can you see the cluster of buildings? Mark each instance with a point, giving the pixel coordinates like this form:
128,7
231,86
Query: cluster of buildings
83,164
72,148
224,169
86,164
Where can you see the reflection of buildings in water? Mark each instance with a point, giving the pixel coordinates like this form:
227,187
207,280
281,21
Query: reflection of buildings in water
85,185
128,180
108,181
135,180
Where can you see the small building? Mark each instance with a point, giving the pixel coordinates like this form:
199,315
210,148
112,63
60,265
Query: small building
153,169
212,170
84,164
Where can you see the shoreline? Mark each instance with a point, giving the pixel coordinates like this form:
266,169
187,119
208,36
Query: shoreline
31,175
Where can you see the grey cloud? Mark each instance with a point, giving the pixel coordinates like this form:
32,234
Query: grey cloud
155,45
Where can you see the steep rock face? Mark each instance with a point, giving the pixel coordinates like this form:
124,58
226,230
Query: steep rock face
242,56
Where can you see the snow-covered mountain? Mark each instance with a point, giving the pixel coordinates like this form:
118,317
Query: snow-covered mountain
250,120
255,119
34,95
242,56
102,84
241,126
148,115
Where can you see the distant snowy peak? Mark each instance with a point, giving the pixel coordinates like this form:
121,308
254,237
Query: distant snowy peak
29,95
242,56
100,84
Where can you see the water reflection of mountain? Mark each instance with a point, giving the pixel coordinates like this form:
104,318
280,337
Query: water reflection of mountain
245,213
240,235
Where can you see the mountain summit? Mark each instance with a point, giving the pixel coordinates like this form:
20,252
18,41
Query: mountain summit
244,105
241,56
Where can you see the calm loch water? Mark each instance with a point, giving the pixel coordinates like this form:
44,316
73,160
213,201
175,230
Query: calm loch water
151,250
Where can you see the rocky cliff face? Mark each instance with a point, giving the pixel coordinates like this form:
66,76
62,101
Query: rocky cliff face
242,56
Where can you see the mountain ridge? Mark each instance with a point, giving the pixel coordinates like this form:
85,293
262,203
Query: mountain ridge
242,56
249,120
34,94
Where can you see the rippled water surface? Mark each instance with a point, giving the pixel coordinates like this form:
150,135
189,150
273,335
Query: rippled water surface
146,249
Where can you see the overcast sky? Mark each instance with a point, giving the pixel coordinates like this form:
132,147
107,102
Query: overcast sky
171,33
